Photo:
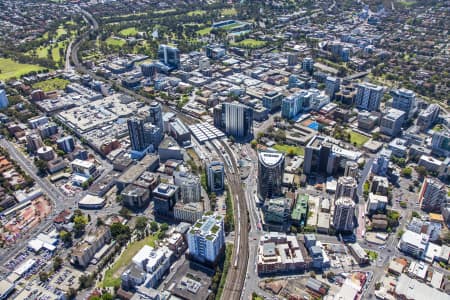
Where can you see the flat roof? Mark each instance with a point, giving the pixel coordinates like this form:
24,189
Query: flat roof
91,200
413,289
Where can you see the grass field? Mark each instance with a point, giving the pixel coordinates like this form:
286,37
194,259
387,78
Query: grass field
250,43
51,84
111,278
229,12
372,255
204,31
60,31
358,139
290,149
128,31
165,11
42,52
115,42
10,68
197,12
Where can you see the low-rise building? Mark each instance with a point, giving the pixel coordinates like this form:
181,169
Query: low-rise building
358,253
413,243
279,253
376,203
94,241
392,121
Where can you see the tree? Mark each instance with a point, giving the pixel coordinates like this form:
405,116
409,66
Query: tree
330,275
154,226
312,274
107,296
254,143
141,223
57,263
415,214
66,237
79,226
125,212
41,165
43,276
121,233
100,221
85,281
421,171
407,172
164,227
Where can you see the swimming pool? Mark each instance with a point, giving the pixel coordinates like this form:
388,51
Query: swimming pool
314,125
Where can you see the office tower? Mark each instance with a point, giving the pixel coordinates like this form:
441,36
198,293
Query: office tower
235,119
206,238
190,187
152,135
351,169
392,121
428,117
292,59
216,176
272,100
332,85
170,56
368,96
292,105
344,213
433,195
3,99
67,144
155,116
440,142
34,142
346,187
165,196
149,69
381,162
404,100
136,133
270,173
317,155
308,64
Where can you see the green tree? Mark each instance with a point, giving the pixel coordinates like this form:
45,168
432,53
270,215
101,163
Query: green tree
141,223
43,276
57,263
254,143
164,227
154,226
407,172
421,171
66,237
79,226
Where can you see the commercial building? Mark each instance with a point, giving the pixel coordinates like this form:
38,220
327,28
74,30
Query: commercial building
91,202
190,187
351,169
381,162
428,117
135,197
169,56
66,144
155,116
412,289
367,121
299,213
234,119
308,64
433,195
276,213
392,121
143,135
404,100
346,187
84,168
270,173
149,163
344,213
414,244
272,100
179,132
165,196
3,99
279,253
188,212
292,105
94,241
148,267
206,238
368,96
376,203
332,85
358,253
440,142
216,176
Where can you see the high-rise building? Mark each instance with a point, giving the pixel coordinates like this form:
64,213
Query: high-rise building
66,144
344,213
428,117
149,69
381,162
216,176
34,142
368,96
206,238
3,99
433,195
294,104
292,59
165,196
170,56
332,85
308,64
235,119
270,173
404,100
190,187
317,155
155,116
440,142
136,133
272,100
351,169
346,187
392,121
